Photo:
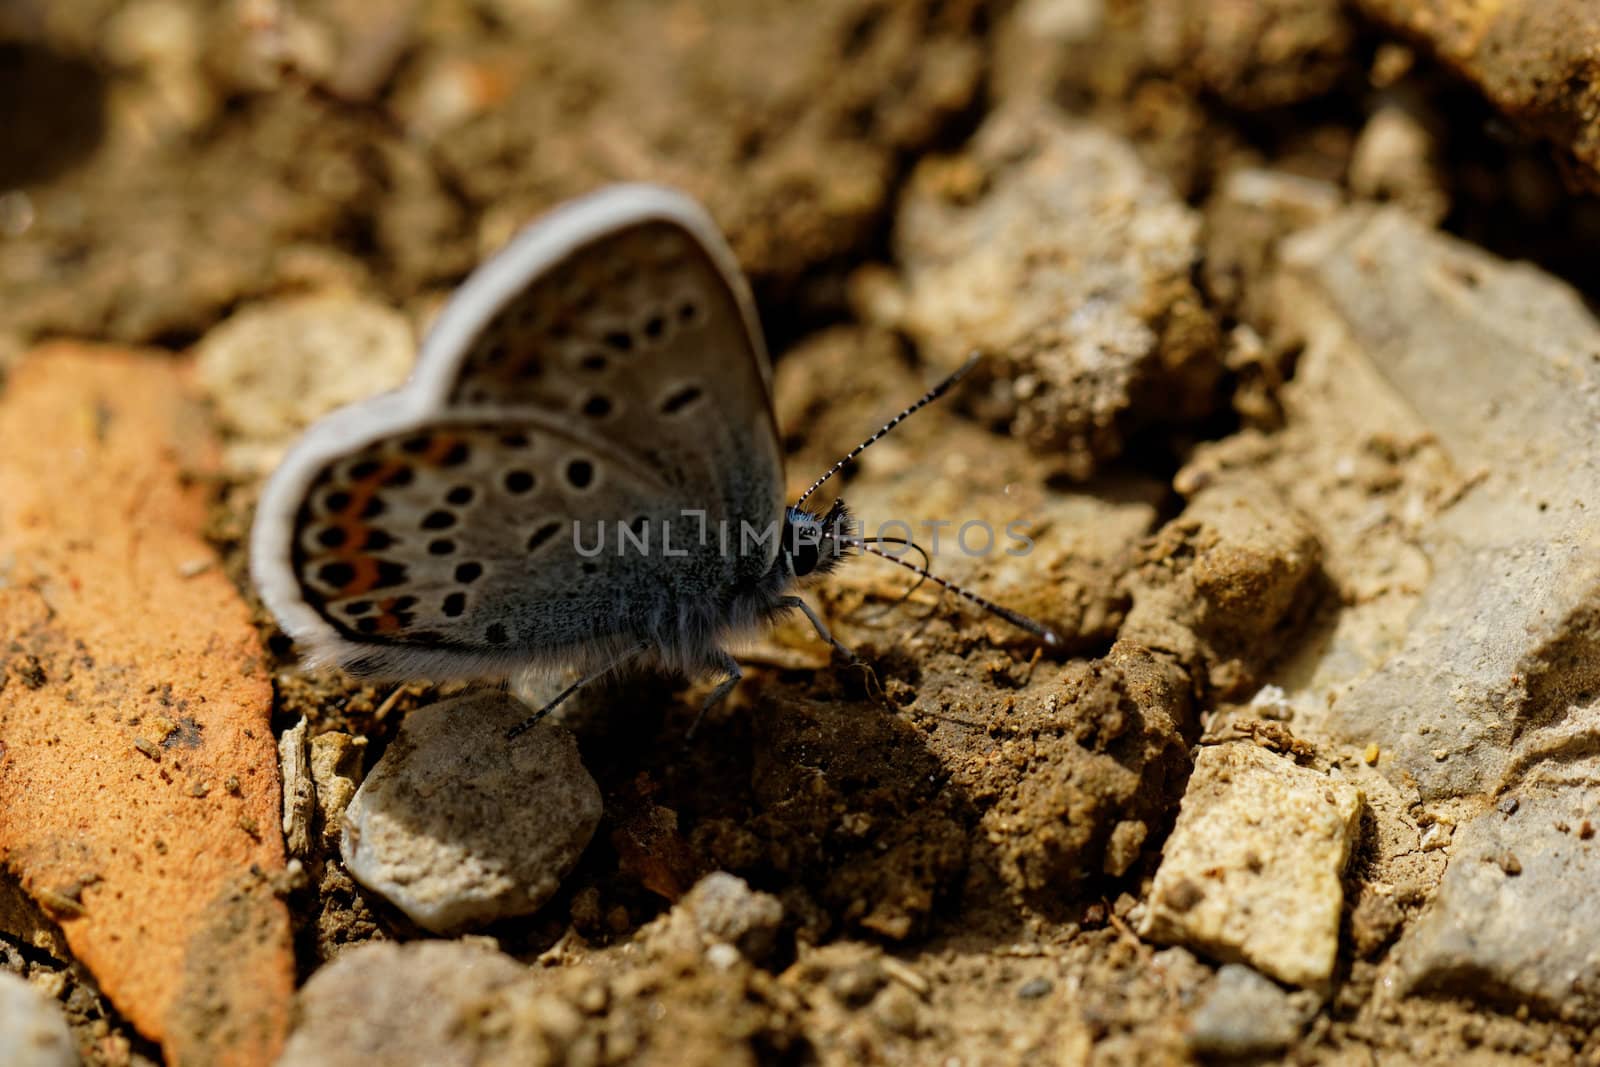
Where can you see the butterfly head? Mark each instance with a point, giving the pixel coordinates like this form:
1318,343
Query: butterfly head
815,544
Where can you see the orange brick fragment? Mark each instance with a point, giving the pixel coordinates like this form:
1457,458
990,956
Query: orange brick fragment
132,688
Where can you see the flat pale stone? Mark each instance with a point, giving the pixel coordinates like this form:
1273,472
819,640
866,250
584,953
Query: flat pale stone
1252,871
456,826
135,693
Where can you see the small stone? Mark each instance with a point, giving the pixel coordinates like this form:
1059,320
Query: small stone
335,764
1395,159
906,975
457,827
1507,806
1034,988
1370,756
1252,869
1218,586
722,956
33,1032
397,1004
1245,1014
1435,836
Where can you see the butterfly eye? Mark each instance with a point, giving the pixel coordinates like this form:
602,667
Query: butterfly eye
804,557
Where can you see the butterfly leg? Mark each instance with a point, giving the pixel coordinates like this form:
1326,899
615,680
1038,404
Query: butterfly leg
533,720
730,667
817,624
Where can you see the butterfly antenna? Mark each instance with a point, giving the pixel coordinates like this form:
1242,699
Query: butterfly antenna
922,576
932,394
1017,619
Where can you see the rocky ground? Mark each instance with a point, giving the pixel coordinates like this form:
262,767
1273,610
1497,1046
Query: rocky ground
1291,370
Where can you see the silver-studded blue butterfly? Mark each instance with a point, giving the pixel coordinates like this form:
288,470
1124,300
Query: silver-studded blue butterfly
602,379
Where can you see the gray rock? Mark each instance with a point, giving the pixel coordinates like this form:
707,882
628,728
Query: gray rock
1052,248
397,1004
1246,1014
33,1032
1252,871
1502,364
1515,919
456,826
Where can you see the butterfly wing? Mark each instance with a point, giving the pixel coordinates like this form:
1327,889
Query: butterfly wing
605,369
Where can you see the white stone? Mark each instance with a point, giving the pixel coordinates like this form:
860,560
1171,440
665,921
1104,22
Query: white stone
33,1032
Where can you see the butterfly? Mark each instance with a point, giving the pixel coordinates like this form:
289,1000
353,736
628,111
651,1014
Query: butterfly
605,372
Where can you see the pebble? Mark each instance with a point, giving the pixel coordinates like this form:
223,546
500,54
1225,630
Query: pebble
275,367
399,1005
1252,871
721,914
335,763
1246,1014
1034,988
458,827
33,1032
